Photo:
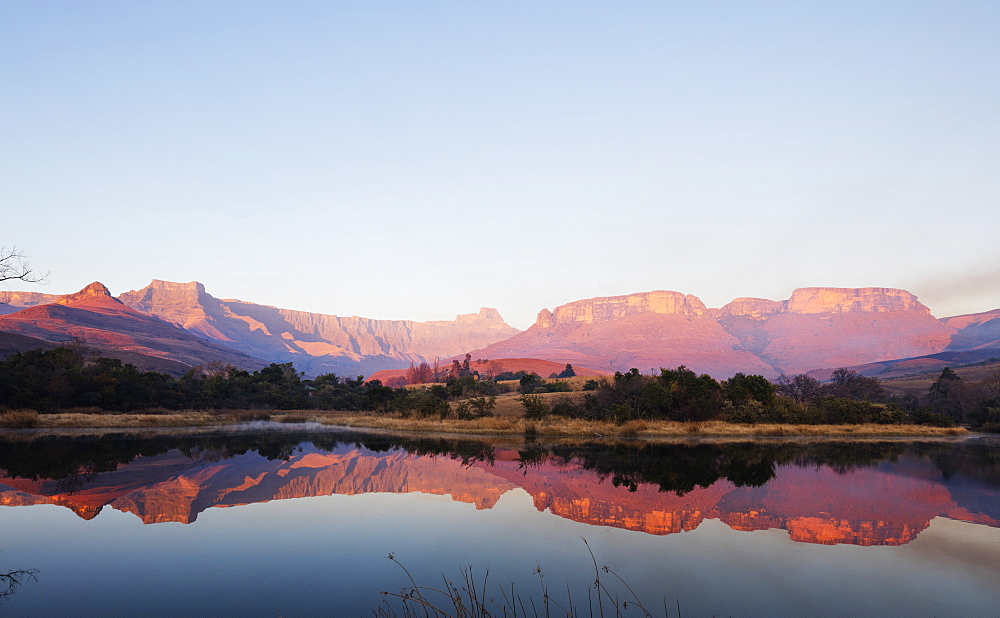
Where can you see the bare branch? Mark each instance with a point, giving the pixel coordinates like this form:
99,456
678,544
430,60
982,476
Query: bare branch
10,581
14,265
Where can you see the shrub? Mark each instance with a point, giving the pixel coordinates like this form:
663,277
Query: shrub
530,383
483,406
424,403
750,411
535,406
564,406
556,386
923,416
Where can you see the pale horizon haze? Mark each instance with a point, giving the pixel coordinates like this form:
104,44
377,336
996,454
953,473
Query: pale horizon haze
418,160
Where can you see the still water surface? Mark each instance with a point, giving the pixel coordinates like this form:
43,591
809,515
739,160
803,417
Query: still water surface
272,521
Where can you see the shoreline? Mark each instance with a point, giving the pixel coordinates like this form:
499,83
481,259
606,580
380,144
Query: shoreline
488,427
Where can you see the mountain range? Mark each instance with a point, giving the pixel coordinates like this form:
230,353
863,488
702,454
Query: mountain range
817,329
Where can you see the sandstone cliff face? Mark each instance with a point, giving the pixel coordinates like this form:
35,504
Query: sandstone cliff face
316,343
815,328
646,331
617,307
854,300
841,327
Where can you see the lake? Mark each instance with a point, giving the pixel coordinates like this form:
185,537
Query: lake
299,520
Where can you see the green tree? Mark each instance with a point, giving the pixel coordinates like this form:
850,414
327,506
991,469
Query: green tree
949,395
850,384
742,388
800,388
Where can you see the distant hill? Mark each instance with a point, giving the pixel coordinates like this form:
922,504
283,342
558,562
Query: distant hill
920,365
975,330
12,302
919,383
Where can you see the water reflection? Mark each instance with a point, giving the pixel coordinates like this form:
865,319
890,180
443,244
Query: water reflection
825,492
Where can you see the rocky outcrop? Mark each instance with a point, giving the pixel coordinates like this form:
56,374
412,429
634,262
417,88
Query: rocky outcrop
316,343
854,300
95,292
619,307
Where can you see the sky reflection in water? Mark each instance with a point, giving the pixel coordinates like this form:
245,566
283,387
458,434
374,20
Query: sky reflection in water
322,553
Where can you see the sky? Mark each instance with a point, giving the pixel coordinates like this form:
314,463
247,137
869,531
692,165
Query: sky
418,160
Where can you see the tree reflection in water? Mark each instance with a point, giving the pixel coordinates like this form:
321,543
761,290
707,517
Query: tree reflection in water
75,461
12,580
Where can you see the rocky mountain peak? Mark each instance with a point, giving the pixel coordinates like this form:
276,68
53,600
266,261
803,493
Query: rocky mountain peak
485,315
853,300
175,286
545,319
92,291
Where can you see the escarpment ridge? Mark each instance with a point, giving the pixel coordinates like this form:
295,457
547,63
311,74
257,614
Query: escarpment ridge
815,329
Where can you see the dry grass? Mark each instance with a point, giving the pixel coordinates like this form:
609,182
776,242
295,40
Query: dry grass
558,426
76,420
19,419
507,421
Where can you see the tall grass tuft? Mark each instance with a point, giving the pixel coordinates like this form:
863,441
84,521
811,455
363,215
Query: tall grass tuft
471,597
19,419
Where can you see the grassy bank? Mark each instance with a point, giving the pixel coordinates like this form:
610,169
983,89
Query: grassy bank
556,426
501,424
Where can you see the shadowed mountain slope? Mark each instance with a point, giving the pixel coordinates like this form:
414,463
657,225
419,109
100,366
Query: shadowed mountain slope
975,330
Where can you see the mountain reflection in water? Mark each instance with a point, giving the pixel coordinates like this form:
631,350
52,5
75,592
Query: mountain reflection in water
827,492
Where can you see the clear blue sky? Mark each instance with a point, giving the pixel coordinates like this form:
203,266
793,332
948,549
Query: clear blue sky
422,159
